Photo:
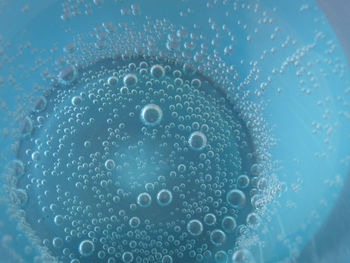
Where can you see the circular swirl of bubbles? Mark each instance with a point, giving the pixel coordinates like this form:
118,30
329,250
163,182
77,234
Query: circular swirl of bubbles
137,164
137,156
149,143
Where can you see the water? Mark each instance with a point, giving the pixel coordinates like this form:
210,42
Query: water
169,131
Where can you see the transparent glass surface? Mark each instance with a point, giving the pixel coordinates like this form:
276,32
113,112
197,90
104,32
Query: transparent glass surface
174,131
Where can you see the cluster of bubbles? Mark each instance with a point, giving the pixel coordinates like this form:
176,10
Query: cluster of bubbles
145,163
145,154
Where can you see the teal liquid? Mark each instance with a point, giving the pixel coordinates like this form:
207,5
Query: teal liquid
264,106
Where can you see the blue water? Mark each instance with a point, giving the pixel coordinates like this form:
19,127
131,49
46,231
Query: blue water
170,131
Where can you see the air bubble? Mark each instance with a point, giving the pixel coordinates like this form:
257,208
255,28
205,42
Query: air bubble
228,224
144,200
36,156
124,90
243,181
189,69
196,83
127,257
195,227
182,168
167,259
217,237
221,257
58,220
157,71
149,187
68,75
109,164
253,220
76,100
86,248
151,115
197,140
57,242
112,81
130,80
164,197
236,198
134,222
242,256
210,219
87,144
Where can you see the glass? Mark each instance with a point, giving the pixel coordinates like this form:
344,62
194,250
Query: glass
172,131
